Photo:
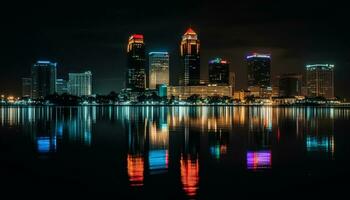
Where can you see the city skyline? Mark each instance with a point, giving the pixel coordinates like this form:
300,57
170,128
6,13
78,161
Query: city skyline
103,48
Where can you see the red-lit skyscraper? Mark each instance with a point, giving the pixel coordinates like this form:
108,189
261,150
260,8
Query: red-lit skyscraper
136,63
190,56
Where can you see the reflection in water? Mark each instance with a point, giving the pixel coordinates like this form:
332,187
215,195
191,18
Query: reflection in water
218,143
320,144
165,140
46,144
258,160
189,175
135,170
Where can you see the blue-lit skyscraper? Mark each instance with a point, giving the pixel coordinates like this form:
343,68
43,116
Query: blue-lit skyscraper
43,79
158,69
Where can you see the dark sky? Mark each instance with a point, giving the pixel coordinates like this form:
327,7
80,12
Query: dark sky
92,36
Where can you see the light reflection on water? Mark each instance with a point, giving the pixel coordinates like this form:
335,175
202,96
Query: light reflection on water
181,140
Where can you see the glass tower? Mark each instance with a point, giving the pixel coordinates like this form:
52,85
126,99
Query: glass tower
190,56
43,79
158,69
320,80
136,77
219,72
80,84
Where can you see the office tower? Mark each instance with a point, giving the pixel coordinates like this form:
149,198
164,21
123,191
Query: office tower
158,69
320,80
26,87
136,77
80,84
43,79
190,58
259,74
162,90
259,70
61,86
289,85
219,72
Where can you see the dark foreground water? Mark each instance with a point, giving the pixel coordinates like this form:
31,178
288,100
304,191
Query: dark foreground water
174,152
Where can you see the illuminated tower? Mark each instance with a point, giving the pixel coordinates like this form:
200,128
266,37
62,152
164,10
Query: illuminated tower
136,63
320,80
43,79
158,69
259,73
190,57
80,84
219,72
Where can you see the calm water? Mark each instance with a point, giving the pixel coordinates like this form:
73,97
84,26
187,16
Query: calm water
174,152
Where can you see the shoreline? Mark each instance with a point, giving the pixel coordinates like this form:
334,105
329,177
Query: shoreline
167,105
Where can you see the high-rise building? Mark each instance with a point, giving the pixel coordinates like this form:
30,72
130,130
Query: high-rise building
320,80
259,73
26,87
233,82
289,85
43,79
136,77
158,69
80,84
61,86
219,72
190,46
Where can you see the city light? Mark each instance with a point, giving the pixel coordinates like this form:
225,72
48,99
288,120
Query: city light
256,55
258,160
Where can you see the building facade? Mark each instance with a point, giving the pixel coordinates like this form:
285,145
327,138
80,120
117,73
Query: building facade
80,84
320,80
289,85
26,87
158,69
190,54
259,72
43,79
183,92
61,86
136,62
219,72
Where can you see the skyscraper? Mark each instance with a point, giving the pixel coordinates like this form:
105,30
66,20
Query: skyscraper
289,85
259,70
61,86
320,80
259,74
80,84
219,72
26,87
191,58
43,79
158,69
136,77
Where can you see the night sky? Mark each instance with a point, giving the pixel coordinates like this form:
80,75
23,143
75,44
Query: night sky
84,36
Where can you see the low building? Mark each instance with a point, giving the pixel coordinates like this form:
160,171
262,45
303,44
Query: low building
241,95
183,92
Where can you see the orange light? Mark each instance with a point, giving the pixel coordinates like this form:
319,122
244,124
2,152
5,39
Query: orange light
189,175
135,170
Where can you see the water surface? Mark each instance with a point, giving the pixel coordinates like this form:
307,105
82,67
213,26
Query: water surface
174,152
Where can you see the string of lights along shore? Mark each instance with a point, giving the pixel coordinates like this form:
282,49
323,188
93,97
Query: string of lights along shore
152,79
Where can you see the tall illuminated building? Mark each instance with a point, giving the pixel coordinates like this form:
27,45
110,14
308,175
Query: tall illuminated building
219,72
26,87
189,48
158,69
80,84
61,86
259,71
43,79
320,80
136,77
